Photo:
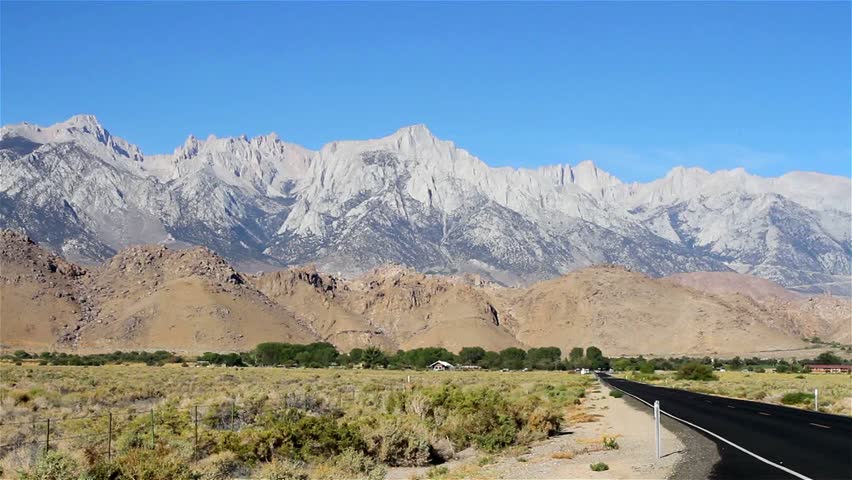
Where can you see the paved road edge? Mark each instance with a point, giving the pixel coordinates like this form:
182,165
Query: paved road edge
744,450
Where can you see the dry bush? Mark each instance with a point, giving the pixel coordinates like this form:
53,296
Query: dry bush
220,466
583,417
563,455
399,444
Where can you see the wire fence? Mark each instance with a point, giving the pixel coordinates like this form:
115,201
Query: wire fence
97,434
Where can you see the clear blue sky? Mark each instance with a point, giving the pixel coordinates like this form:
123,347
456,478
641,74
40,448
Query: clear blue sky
637,87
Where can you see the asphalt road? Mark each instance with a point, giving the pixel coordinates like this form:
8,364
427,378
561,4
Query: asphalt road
815,445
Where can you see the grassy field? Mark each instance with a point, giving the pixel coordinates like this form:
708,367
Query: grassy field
268,421
835,391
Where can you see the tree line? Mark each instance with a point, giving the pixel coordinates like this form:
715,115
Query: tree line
159,357
753,364
321,355
324,355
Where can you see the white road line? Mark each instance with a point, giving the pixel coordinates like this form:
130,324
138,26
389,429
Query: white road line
769,462
764,413
818,425
731,406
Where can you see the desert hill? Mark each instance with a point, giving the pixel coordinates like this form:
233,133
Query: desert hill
825,316
143,298
630,313
42,301
153,297
390,306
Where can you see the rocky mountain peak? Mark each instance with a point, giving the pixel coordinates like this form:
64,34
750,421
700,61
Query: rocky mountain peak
84,122
419,201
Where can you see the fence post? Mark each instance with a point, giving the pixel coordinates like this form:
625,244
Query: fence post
657,426
233,409
152,430
816,399
109,439
47,438
195,449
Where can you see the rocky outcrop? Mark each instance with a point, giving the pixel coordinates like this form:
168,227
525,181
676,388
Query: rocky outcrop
192,300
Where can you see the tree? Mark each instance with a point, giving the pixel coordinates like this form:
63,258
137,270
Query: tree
471,355
695,371
596,359
736,363
828,358
647,368
355,355
622,364
491,360
319,354
546,358
373,358
576,355
782,366
512,358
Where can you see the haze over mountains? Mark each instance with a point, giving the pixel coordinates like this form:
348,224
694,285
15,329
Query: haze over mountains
191,300
416,200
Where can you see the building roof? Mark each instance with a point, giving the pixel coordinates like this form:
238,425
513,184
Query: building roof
842,367
443,364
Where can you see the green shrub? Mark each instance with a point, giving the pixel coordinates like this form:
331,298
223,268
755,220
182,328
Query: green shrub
797,398
695,371
283,470
610,443
437,472
479,416
157,464
616,393
599,467
758,395
53,466
350,464
291,434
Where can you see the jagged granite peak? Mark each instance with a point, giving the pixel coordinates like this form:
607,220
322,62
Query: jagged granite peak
417,200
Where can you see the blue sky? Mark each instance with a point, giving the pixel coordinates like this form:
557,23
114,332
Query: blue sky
636,87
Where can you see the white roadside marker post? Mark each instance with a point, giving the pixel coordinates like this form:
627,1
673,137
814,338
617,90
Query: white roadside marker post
816,399
657,426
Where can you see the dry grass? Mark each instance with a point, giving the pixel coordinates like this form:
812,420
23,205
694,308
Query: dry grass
31,392
563,455
583,417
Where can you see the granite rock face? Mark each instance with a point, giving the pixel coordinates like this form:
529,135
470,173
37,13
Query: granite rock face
416,200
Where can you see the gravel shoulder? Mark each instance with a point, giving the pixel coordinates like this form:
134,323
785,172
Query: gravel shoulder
686,454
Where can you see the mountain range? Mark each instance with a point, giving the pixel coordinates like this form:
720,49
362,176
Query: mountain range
418,201
191,300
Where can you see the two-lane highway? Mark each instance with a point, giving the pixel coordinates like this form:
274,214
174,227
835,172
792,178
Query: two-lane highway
807,444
